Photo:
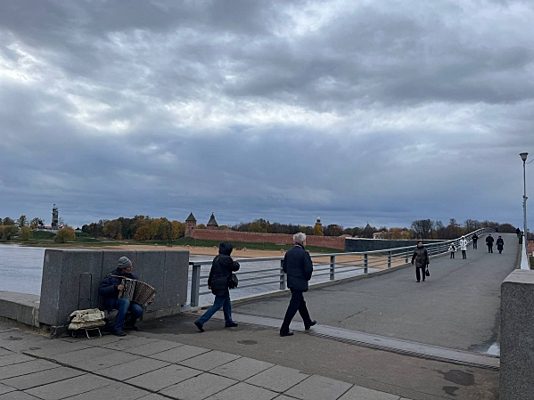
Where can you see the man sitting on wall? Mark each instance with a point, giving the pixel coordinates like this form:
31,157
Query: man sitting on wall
111,289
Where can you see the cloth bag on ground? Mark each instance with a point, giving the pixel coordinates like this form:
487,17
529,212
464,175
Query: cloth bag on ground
89,318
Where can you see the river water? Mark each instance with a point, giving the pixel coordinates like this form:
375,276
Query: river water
21,268
21,271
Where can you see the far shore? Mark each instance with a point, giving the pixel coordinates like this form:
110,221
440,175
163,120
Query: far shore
193,250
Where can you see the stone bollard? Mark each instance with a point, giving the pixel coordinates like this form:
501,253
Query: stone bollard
517,336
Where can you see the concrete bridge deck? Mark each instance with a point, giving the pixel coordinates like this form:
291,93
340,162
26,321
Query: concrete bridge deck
456,310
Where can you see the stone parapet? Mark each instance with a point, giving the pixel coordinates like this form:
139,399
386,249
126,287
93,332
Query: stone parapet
20,307
517,336
71,278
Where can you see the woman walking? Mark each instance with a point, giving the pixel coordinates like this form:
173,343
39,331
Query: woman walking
421,260
221,270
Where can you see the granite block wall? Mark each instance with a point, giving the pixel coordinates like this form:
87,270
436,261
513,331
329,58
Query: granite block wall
517,336
71,278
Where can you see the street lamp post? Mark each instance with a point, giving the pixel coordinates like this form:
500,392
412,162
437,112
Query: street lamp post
524,258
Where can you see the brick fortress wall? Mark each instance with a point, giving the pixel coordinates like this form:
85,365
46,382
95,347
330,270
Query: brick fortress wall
332,242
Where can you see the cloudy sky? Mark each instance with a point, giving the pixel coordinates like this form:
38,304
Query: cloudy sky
379,111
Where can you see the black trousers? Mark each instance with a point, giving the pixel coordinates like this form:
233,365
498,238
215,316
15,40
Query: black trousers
474,245
464,254
420,272
490,248
297,303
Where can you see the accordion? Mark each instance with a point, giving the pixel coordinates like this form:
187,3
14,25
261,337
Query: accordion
137,291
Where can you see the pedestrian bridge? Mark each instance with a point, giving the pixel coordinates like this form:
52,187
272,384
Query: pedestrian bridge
457,307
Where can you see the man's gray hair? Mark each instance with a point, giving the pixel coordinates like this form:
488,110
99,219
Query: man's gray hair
299,237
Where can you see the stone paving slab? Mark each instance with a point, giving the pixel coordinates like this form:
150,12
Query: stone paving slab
361,393
244,391
5,389
153,348
5,352
210,360
14,358
69,387
95,359
180,353
128,342
18,396
278,378
319,388
242,368
131,369
198,387
115,391
40,378
153,396
164,377
53,347
10,371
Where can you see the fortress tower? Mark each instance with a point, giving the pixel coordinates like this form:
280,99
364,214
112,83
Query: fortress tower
212,223
190,224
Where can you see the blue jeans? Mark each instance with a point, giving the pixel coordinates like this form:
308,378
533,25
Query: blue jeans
220,301
123,306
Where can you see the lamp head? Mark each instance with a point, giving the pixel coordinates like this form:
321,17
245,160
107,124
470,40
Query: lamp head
523,156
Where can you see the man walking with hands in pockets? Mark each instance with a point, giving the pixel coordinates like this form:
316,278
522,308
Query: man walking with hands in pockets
298,266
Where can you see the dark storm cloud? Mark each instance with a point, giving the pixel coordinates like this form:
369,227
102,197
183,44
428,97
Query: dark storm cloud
380,112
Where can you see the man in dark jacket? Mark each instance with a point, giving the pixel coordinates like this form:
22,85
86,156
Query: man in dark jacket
110,290
421,261
298,266
489,243
474,238
221,270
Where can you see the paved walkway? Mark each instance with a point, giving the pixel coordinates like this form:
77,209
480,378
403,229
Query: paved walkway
455,309
149,367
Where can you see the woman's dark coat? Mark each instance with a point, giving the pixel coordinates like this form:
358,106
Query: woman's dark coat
221,269
420,255
298,266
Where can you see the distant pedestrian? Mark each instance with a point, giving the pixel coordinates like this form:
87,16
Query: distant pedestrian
500,244
421,261
489,243
474,238
221,270
298,266
452,250
463,247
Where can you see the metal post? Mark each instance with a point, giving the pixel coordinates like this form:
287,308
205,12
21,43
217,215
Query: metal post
332,267
365,263
389,259
282,276
195,285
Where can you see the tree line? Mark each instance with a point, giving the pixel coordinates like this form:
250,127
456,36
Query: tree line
145,228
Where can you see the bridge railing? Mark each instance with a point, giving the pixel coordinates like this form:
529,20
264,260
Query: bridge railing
263,274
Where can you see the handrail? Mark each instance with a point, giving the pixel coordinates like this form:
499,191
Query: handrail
363,260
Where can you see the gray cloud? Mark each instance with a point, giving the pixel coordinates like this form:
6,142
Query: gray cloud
378,112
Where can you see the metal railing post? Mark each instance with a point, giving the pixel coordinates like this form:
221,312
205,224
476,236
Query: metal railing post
332,267
389,259
365,263
195,285
282,276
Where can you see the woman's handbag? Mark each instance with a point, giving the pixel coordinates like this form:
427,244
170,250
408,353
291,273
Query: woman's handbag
427,272
233,281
